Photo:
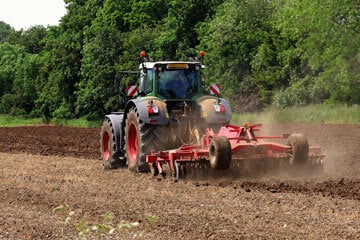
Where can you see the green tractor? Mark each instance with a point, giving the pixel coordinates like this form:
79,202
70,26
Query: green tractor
168,108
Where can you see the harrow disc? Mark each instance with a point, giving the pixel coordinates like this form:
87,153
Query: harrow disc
176,171
168,173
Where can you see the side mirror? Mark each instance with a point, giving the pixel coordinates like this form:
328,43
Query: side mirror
117,81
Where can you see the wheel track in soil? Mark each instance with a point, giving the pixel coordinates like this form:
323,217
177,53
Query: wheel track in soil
339,142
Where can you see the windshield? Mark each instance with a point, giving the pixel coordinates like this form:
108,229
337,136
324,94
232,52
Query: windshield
180,83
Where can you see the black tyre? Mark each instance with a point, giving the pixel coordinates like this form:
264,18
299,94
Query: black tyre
154,170
140,139
133,141
220,153
110,157
299,149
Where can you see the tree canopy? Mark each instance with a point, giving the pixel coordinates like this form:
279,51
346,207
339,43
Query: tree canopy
282,52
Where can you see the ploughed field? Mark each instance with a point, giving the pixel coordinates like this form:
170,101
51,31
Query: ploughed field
52,186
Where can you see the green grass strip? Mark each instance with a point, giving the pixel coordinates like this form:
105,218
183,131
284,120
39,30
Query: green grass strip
10,121
321,113
13,121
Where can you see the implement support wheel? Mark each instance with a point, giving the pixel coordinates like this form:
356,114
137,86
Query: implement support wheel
220,153
299,149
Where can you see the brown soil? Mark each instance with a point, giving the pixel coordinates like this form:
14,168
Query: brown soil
52,186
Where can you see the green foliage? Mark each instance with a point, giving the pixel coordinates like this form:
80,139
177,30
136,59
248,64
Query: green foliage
283,53
31,39
54,70
10,121
151,218
144,14
106,227
76,123
179,38
5,30
9,55
100,54
326,33
232,39
300,93
335,114
13,104
7,120
63,111
24,83
134,42
61,60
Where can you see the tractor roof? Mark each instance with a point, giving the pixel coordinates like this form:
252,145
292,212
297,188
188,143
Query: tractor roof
150,65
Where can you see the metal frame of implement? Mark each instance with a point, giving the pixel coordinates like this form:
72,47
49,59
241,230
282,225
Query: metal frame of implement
240,138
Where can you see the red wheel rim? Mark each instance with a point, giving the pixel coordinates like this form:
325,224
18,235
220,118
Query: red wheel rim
133,143
105,146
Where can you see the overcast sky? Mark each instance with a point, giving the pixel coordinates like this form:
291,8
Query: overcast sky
26,13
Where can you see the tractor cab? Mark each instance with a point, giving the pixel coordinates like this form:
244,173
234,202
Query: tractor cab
171,81
177,80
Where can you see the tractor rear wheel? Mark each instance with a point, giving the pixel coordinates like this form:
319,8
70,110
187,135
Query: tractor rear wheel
140,139
109,155
133,140
220,153
299,149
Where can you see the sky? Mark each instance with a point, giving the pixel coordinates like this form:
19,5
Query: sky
27,13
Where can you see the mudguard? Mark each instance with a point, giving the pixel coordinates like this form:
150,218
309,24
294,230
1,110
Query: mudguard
208,110
141,104
117,120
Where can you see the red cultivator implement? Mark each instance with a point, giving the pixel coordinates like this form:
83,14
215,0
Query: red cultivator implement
237,146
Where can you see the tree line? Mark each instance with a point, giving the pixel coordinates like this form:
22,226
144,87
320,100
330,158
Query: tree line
280,52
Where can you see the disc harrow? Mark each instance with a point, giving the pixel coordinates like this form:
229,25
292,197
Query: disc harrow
237,147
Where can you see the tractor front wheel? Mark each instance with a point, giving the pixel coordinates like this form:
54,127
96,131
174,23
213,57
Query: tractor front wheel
220,153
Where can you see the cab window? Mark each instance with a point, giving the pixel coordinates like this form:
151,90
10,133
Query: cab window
179,83
146,81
